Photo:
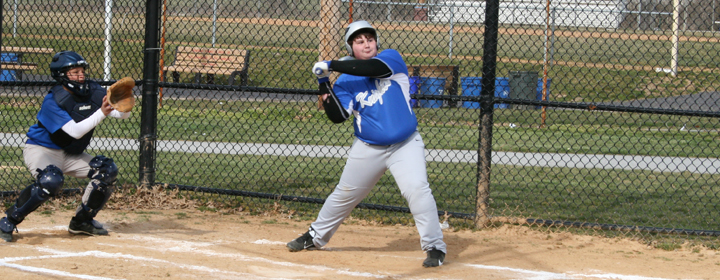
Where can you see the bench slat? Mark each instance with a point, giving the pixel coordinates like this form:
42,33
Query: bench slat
209,62
184,57
226,59
235,52
202,65
26,49
15,66
218,71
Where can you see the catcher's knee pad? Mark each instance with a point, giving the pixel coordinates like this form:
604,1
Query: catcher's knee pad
51,179
103,169
49,182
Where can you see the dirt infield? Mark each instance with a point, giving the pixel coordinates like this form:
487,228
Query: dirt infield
190,244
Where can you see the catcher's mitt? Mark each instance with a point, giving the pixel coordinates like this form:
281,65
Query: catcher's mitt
120,94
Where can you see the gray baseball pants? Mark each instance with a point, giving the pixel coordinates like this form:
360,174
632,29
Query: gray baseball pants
37,156
365,166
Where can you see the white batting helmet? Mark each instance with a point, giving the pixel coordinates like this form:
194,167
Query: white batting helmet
359,26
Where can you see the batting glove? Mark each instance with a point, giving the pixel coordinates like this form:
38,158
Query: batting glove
322,71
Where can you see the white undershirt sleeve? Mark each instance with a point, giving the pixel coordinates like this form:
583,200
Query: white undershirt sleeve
78,130
119,115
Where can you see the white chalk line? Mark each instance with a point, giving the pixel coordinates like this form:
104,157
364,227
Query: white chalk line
185,246
43,229
6,263
546,275
176,246
268,242
532,274
52,272
99,254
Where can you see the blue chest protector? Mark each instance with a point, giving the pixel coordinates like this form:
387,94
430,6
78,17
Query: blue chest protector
78,111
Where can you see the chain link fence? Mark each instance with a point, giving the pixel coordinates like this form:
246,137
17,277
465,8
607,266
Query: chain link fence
582,116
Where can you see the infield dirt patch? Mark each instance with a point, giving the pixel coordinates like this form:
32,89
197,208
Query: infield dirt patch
192,244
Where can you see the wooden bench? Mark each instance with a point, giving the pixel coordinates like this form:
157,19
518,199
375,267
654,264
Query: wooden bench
210,61
19,65
451,73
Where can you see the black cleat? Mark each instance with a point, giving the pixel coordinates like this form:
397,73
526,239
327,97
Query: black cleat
434,258
88,228
304,242
6,229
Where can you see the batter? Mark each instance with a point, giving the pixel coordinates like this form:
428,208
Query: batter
375,89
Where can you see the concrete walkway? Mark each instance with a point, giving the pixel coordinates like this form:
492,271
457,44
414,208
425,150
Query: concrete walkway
589,161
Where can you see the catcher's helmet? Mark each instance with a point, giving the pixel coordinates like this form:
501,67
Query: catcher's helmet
355,28
61,63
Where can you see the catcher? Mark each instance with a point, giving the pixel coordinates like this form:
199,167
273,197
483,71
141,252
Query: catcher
56,145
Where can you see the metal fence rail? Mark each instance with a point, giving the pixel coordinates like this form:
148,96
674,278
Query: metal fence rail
566,127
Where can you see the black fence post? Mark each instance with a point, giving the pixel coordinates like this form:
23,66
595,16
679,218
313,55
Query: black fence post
148,120
482,208
2,19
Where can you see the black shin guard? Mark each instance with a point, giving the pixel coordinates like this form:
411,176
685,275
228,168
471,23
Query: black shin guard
102,174
99,195
30,199
49,182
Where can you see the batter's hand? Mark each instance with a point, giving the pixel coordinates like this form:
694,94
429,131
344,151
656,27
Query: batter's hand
322,71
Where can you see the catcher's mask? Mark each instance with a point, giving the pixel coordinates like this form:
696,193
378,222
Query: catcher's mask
356,28
64,61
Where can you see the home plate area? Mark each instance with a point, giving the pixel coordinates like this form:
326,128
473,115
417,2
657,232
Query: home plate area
191,244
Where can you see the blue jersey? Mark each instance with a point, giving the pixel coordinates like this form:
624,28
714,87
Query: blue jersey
381,106
58,108
53,118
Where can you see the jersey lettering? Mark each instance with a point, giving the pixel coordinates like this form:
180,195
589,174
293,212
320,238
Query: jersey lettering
381,86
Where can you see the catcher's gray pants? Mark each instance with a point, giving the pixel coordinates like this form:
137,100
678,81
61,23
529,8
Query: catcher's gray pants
78,166
365,165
